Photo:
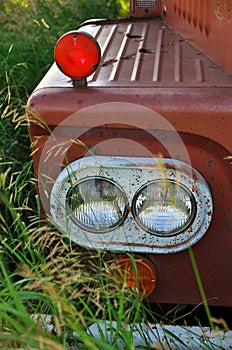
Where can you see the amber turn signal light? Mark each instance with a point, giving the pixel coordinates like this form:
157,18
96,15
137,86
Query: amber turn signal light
138,273
77,54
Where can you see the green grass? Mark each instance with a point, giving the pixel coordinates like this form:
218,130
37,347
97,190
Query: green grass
41,272
30,30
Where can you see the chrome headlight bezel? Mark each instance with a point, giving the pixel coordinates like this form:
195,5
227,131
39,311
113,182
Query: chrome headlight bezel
131,174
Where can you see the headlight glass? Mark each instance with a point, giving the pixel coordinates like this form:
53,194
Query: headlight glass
97,204
164,207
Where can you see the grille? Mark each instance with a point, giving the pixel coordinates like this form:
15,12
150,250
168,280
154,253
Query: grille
146,3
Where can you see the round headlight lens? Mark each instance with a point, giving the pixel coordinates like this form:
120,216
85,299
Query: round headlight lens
97,204
164,207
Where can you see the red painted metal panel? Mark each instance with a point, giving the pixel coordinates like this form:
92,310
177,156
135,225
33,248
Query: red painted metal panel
145,53
206,24
146,63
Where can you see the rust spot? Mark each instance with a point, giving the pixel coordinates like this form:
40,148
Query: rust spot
130,36
195,190
107,63
210,163
143,50
128,57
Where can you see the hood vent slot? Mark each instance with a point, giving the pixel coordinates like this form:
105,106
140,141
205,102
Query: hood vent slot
146,3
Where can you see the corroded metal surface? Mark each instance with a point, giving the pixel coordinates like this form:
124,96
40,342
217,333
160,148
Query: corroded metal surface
131,173
145,336
145,63
145,53
206,24
160,336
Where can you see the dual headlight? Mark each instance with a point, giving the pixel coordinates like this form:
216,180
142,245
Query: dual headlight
161,207
136,203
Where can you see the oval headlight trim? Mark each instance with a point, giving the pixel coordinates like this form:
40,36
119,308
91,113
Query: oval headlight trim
131,174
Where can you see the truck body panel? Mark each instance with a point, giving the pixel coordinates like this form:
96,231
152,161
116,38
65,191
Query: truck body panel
147,64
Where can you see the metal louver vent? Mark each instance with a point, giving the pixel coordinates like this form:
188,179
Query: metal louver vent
146,3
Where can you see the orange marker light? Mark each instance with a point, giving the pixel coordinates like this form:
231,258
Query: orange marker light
138,272
77,54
